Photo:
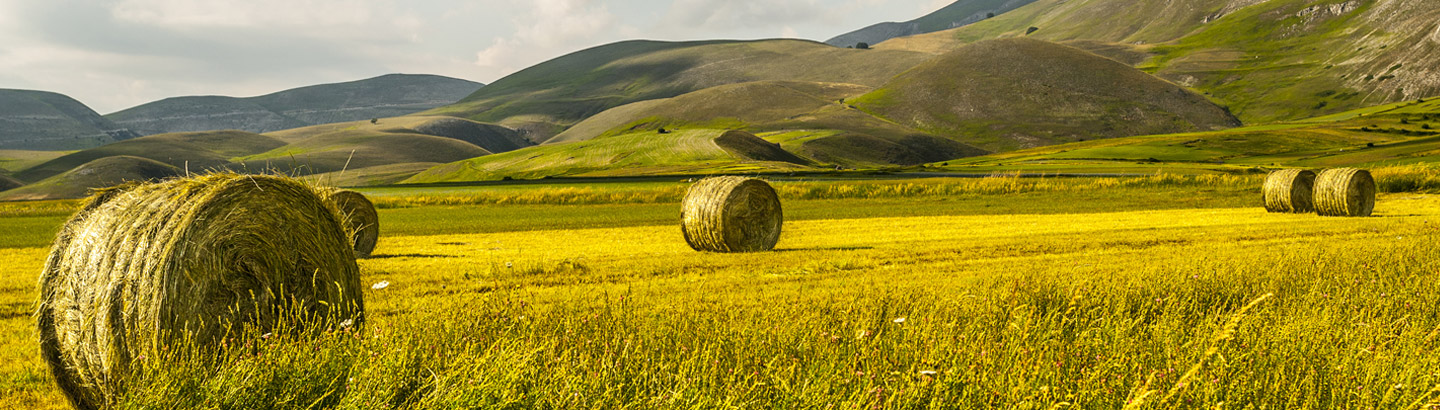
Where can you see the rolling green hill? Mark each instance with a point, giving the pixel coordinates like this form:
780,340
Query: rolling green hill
386,142
957,14
645,153
385,96
1266,60
809,119
39,120
8,183
1016,93
1394,134
15,160
544,100
100,173
195,151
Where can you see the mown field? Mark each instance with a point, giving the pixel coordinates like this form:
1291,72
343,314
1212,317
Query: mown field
1143,292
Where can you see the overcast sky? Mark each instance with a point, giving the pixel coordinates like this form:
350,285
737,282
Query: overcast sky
115,54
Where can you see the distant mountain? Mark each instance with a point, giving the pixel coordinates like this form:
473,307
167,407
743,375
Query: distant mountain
1018,93
40,120
544,100
1267,61
957,14
379,97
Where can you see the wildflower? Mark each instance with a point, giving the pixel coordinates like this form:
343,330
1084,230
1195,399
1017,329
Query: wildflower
266,336
899,320
347,323
509,265
928,372
380,285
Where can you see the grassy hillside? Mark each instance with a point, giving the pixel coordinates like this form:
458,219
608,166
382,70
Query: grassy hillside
808,119
957,14
641,153
744,104
16,160
1395,134
1016,93
39,120
100,173
196,151
544,100
8,183
491,137
355,149
379,97
1268,61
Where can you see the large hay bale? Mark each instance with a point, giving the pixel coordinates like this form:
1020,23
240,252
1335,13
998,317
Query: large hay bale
1344,192
1290,190
731,214
361,220
183,264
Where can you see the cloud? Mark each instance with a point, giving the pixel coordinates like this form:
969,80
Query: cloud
116,54
549,28
707,15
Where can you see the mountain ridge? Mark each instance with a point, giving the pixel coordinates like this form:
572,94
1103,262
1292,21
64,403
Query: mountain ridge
957,14
388,95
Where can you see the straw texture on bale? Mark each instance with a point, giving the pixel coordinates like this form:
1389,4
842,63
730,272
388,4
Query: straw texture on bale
731,214
1344,192
189,260
361,220
1290,190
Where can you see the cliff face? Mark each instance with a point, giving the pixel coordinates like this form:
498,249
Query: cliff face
380,97
39,120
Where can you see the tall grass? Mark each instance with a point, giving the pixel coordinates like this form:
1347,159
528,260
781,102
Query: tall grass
878,189
1347,327
1407,178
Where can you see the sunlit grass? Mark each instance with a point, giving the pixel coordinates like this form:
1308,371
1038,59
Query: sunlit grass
921,298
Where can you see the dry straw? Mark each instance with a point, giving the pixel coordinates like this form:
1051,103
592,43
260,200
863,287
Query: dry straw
361,220
1290,190
1344,192
731,214
188,262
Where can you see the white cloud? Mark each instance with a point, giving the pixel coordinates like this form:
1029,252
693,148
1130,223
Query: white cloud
249,13
548,29
731,14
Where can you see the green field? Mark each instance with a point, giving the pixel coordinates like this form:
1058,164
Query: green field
1160,291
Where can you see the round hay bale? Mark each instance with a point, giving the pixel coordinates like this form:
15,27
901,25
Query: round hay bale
1344,192
731,214
183,264
361,220
1290,190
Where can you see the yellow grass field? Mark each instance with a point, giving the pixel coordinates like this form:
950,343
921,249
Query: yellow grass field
1225,307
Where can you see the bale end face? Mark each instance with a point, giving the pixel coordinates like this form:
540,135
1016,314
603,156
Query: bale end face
1345,192
731,214
1290,191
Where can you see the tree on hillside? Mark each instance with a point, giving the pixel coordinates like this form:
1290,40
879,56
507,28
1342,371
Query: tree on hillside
862,45
1031,30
